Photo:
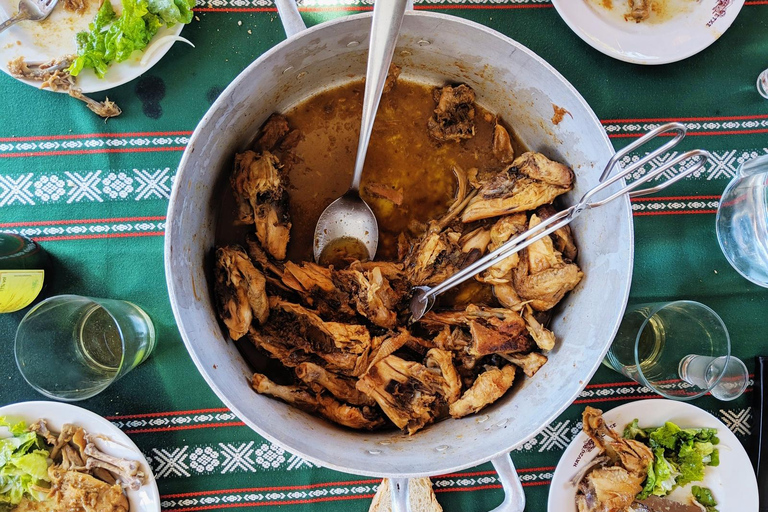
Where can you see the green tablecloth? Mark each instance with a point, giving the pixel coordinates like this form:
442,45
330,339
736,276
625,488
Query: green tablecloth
95,195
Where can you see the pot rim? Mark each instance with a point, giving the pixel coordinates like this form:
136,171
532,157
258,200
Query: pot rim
171,219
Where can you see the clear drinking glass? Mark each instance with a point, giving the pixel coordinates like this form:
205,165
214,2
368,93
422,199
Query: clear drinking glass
742,221
70,347
655,338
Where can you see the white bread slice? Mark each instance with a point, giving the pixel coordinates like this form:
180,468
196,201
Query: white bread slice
420,494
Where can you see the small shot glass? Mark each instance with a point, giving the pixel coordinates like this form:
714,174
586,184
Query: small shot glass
700,371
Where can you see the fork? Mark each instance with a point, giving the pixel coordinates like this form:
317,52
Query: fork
32,10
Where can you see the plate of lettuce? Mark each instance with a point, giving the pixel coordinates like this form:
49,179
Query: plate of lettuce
107,43
668,456
26,457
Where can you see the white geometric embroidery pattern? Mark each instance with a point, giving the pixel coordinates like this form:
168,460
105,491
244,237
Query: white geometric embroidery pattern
296,462
270,456
16,190
350,3
83,186
738,420
722,165
49,188
153,184
118,185
170,463
204,460
98,185
237,457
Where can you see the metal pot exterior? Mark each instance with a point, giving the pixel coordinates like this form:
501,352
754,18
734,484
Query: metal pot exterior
510,80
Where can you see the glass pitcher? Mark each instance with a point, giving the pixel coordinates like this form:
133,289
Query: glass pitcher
742,221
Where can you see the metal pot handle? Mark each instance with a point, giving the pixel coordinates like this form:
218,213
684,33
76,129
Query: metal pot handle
288,11
514,497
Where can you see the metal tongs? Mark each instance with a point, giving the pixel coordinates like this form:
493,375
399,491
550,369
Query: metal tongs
423,297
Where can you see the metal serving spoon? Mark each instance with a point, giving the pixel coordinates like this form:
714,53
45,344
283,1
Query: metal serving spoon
423,297
347,228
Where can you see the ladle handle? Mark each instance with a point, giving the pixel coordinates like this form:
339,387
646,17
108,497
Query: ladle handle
385,27
288,10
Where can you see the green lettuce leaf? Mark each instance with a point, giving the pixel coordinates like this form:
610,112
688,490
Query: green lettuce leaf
23,465
633,431
172,11
704,496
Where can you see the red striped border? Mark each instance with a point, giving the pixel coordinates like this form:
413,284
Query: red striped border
77,221
364,8
67,136
91,151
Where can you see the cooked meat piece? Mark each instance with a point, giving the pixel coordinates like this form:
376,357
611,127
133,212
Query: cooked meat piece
27,505
492,329
343,388
294,395
639,10
281,347
544,290
390,343
502,231
352,417
531,181
344,347
372,295
334,292
274,129
656,504
607,489
476,241
388,192
488,387
392,76
434,258
612,485
541,254
54,76
543,337
441,361
633,455
333,410
542,277
454,117
80,492
502,144
508,297
76,6
259,188
240,291
409,393
530,363
562,238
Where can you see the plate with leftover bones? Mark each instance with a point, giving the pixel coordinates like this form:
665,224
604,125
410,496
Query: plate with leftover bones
88,46
56,456
649,31
653,456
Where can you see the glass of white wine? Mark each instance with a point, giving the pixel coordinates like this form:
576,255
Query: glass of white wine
70,347
655,339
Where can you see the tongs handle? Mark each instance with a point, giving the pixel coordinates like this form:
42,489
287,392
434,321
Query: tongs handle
423,297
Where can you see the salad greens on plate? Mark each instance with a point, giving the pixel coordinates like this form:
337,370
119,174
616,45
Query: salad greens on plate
113,38
680,456
23,465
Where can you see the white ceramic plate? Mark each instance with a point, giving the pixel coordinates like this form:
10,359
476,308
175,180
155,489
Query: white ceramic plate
56,414
733,482
679,29
41,41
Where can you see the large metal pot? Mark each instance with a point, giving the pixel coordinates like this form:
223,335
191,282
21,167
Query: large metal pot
509,79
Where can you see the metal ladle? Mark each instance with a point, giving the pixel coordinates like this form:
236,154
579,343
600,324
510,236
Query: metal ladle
423,297
348,225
